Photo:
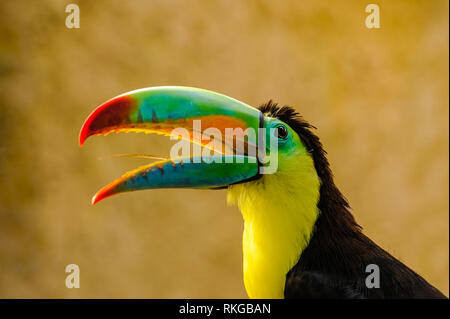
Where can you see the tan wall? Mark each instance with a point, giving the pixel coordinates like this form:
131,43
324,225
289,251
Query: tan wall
378,97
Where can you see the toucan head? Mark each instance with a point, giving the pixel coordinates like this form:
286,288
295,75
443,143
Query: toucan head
237,144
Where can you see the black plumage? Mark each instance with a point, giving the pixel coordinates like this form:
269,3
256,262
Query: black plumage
333,265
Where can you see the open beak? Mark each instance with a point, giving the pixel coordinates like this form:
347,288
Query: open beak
166,110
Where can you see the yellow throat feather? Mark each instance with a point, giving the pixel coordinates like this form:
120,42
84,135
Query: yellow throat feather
279,213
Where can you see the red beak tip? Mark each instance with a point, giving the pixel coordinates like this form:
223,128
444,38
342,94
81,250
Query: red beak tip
101,195
94,201
84,134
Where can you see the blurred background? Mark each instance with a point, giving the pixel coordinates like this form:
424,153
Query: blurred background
379,98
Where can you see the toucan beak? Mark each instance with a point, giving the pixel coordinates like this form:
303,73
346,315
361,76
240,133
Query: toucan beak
165,110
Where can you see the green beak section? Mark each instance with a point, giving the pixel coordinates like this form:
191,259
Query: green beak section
177,174
163,110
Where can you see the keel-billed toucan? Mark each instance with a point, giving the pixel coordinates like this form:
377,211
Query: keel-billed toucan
300,239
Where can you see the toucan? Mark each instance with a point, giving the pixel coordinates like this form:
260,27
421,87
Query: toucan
300,238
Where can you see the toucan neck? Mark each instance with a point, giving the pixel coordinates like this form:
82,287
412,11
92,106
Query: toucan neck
279,213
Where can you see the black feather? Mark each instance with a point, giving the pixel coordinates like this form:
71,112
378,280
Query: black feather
333,265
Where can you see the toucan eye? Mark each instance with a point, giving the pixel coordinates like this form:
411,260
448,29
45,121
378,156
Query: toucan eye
282,132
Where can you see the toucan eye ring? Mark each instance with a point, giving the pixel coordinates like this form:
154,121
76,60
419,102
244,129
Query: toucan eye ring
282,132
